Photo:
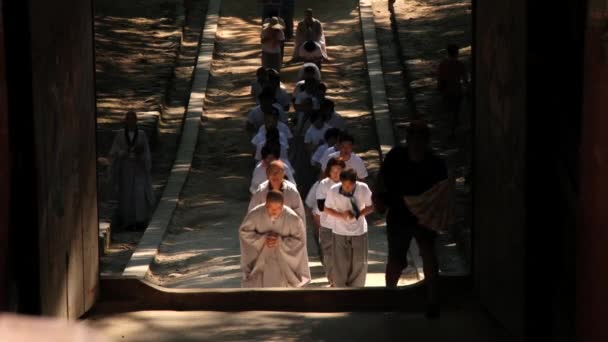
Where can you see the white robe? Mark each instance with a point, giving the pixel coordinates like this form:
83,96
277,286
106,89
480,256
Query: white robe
285,265
291,196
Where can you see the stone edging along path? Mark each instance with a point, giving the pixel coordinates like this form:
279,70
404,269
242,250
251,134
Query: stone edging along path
147,248
381,113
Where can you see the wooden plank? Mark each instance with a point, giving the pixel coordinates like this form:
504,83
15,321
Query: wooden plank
90,217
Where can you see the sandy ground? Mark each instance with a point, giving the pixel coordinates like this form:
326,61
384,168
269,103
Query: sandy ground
201,249
468,323
144,62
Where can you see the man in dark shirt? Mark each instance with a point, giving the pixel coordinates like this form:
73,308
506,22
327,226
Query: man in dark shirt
410,171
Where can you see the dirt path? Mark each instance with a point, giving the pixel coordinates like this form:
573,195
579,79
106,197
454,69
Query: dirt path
145,52
201,249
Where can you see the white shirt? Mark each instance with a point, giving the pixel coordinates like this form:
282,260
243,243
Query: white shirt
311,199
281,126
325,156
259,176
315,135
321,194
355,162
316,157
256,115
339,202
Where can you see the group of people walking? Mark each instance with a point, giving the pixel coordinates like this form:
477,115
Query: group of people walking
313,137
412,186
301,144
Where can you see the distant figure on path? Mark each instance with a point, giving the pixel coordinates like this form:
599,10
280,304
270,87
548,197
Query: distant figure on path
261,80
451,77
309,29
130,171
288,8
273,246
272,38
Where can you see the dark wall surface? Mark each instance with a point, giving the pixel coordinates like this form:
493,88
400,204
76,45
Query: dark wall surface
4,176
499,166
50,73
528,118
63,94
592,263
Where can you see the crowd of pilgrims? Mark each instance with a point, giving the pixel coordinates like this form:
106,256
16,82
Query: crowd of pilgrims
310,150
312,145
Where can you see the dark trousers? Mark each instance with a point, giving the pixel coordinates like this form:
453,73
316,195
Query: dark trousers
399,238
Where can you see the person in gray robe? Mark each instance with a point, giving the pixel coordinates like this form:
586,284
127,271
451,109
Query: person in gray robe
309,29
130,175
273,246
276,181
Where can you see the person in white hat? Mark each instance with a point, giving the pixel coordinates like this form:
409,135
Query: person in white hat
272,40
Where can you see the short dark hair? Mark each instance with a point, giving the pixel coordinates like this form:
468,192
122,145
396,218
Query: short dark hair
334,162
345,137
271,149
332,133
310,69
322,86
260,71
348,175
274,196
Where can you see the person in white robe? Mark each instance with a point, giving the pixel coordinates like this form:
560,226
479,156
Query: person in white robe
276,181
309,29
269,154
273,246
130,169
